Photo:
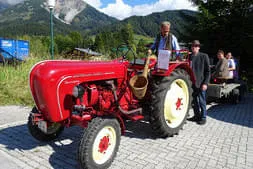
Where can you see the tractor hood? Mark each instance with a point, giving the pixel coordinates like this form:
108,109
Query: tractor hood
52,82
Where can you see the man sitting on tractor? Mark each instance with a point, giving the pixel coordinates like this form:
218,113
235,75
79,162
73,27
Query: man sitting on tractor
164,40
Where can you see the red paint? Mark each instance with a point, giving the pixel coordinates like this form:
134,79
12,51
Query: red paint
81,121
135,117
104,144
179,103
92,94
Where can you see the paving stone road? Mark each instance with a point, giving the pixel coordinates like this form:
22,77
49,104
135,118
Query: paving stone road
225,142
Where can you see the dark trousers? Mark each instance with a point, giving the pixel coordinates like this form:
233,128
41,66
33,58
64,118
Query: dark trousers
199,103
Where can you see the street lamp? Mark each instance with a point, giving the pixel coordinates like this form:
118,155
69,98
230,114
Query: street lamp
51,5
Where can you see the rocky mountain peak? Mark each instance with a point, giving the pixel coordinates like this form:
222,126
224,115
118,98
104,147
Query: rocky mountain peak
66,10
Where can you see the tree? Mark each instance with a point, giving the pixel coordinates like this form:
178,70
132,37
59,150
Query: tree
141,49
76,38
88,43
222,24
127,34
64,43
99,44
105,42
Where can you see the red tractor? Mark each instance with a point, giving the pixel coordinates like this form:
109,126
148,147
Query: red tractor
100,95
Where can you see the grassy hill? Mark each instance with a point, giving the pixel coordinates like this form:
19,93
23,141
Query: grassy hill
181,22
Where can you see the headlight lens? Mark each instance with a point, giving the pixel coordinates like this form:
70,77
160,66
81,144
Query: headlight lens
78,91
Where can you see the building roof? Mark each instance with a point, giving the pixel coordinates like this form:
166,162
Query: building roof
88,51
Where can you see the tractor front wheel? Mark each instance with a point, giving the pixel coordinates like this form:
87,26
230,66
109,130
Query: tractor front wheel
53,130
99,143
171,99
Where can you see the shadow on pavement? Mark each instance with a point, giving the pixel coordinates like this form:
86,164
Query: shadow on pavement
59,154
240,114
139,129
62,152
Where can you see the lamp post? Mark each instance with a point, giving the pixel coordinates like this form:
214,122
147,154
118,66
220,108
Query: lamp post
51,5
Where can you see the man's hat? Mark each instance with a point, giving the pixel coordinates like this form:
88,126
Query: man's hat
195,42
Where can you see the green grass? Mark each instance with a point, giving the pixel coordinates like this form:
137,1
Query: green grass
14,87
137,38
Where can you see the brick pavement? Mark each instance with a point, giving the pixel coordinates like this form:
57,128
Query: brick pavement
225,142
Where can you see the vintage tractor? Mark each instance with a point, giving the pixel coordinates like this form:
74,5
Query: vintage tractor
100,95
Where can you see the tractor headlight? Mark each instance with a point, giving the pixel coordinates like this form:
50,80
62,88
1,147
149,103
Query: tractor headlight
78,91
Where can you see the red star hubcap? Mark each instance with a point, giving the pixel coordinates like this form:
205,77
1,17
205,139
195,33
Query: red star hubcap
104,144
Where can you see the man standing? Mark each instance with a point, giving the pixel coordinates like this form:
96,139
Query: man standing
164,40
201,70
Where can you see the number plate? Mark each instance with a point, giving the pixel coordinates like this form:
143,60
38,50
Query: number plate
43,126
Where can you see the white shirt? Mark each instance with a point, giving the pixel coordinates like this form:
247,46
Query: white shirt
231,64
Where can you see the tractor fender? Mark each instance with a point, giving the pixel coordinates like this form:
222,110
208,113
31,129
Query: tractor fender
180,65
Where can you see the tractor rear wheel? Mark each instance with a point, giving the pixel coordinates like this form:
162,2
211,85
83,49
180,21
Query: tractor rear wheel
53,131
170,103
99,143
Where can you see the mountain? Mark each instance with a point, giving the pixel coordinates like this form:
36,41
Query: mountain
181,21
149,25
33,18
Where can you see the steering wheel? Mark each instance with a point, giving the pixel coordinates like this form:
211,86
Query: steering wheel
124,50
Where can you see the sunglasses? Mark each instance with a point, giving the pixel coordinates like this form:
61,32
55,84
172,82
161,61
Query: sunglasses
195,45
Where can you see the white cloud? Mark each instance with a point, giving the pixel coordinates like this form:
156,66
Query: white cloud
121,10
118,10
95,3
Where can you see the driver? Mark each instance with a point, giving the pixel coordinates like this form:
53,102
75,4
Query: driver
164,40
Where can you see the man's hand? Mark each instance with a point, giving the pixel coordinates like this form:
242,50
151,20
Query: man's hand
149,52
204,87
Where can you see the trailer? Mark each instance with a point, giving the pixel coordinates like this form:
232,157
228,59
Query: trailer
227,89
12,50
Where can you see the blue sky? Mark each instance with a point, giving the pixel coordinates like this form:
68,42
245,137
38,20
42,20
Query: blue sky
129,2
122,9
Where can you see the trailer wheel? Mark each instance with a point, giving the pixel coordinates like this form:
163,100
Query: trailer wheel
53,131
99,143
235,96
170,103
